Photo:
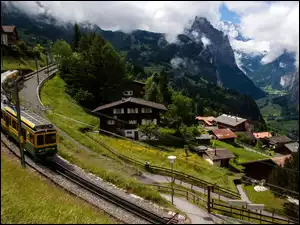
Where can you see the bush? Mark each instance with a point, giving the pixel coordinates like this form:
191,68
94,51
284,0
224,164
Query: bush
245,138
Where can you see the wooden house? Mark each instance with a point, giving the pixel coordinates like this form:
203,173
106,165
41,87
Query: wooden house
9,35
203,139
125,115
134,88
219,157
234,123
261,169
277,143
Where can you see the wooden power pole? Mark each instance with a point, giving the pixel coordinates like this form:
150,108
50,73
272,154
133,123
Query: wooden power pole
19,123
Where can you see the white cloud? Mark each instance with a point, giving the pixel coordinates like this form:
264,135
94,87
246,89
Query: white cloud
272,26
157,16
205,41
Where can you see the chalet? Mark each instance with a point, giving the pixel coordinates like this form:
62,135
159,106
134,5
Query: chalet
224,135
125,115
291,147
261,135
206,121
9,35
219,157
203,139
261,169
134,89
278,143
200,150
234,123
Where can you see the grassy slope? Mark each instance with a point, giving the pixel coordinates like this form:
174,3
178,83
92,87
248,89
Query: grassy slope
10,63
53,94
267,197
27,198
243,155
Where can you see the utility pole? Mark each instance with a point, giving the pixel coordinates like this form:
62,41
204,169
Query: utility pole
19,123
37,68
47,63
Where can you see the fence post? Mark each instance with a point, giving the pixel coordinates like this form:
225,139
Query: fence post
187,195
272,215
208,199
260,217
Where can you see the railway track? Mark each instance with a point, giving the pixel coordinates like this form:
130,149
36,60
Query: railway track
101,192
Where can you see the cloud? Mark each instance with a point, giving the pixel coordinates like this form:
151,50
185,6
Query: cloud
272,26
205,41
177,62
158,16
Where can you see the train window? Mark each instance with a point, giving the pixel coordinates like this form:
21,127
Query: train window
14,125
24,134
31,138
40,139
7,120
50,138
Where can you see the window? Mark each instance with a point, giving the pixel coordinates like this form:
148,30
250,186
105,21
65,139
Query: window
132,121
14,125
24,134
128,132
118,111
146,110
145,121
50,138
31,138
155,121
132,110
128,93
111,122
7,120
40,139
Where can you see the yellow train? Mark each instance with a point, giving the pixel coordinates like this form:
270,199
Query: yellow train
38,135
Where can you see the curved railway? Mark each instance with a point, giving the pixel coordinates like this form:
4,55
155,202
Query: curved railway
88,185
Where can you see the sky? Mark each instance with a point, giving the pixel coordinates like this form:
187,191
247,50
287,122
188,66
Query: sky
273,26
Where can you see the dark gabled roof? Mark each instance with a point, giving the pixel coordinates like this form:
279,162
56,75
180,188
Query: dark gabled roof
139,82
138,101
8,29
218,154
278,139
230,120
293,147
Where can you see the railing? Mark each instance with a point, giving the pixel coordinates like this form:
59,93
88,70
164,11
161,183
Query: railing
243,213
182,192
179,175
41,69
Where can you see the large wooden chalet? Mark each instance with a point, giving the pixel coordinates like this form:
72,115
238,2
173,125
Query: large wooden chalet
234,123
125,115
9,35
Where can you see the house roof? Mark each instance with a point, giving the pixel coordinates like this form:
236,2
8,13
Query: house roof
293,147
133,100
281,159
200,148
230,120
208,120
262,135
218,154
278,139
224,133
8,29
203,137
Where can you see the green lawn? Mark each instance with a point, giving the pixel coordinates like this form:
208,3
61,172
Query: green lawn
10,63
28,198
243,154
266,197
53,94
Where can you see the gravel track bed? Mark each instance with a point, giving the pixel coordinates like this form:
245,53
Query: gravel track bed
108,207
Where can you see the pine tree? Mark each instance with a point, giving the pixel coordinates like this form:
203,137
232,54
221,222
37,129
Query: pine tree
76,38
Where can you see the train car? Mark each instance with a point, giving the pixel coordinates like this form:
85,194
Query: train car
38,135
